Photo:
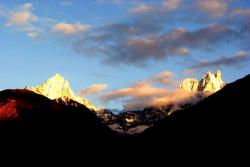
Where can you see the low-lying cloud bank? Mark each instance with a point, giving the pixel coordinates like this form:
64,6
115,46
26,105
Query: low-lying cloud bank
145,93
92,90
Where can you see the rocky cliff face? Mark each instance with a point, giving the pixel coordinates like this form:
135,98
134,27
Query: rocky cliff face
57,88
209,83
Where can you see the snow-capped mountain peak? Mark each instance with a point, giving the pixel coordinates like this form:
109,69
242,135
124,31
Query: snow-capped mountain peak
58,88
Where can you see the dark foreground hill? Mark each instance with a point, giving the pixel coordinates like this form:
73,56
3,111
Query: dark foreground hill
25,114
220,119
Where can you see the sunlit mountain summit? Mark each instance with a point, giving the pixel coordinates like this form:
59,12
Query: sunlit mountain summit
57,88
209,83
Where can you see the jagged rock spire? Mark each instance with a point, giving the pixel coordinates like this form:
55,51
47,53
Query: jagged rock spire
209,83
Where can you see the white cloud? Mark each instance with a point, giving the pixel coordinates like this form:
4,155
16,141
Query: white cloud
22,16
23,19
70,29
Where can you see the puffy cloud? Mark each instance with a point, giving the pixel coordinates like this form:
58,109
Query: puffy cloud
70,29
130,44
215,8
145,37
171,4
22,16
235,60
93,89
23,19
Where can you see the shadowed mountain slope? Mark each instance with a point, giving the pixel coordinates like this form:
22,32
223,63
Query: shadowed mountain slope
27,113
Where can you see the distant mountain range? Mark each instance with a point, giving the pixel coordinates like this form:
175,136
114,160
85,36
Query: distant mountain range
43,111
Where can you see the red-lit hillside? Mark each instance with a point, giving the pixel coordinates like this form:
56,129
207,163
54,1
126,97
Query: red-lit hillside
25,110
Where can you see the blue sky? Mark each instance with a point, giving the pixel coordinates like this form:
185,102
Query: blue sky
119,43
